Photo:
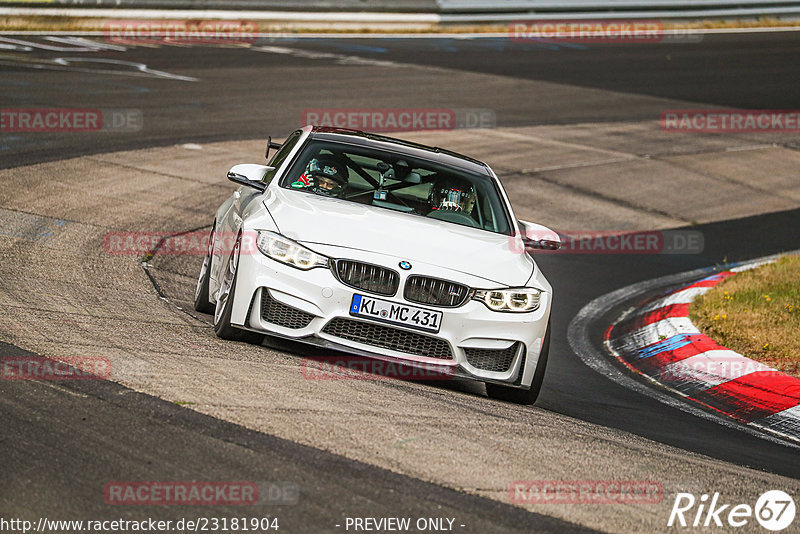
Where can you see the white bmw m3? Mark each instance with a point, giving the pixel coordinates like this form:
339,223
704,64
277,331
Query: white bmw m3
386,249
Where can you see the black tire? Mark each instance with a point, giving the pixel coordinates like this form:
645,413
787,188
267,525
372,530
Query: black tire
524,396
201,299
224,308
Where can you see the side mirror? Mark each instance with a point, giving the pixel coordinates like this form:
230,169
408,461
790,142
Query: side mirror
250,175
271,144
538,237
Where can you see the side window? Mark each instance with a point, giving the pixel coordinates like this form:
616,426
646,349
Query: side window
282,154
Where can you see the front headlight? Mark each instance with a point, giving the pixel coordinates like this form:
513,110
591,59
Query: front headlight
286,251
523,299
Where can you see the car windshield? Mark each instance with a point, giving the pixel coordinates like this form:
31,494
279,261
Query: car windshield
397,182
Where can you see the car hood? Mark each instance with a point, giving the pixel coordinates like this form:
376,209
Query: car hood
311,219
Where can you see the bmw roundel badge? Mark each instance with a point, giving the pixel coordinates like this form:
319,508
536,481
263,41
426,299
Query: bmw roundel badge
405,265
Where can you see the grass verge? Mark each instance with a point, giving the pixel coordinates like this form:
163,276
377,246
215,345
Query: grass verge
756,313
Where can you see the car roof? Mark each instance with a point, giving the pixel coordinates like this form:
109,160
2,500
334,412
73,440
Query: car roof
411,149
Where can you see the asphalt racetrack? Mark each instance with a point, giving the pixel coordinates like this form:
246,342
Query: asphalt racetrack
575,139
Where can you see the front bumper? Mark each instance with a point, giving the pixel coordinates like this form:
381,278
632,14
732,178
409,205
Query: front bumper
306,302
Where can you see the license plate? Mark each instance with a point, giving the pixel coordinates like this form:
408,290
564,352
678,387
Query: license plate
394,313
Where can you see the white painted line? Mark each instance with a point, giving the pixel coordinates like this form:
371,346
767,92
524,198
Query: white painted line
595,163
663,329
339,58
786,422
53,48
91,44
658,331
623,156
685,296
749,266
713,367
746,148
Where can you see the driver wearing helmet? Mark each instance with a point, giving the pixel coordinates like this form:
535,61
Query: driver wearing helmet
324,175
452,194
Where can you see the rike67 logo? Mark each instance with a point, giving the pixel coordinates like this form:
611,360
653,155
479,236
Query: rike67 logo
774,510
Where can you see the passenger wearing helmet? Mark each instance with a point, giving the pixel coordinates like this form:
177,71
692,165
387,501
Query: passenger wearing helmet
452,194
452,199
324,175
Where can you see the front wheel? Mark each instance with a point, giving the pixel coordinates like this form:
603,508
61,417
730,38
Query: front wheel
524,396
225,299
201,302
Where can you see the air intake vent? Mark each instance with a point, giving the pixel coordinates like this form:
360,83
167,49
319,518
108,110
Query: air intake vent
367,277
280,314
435,292
492,359
388,338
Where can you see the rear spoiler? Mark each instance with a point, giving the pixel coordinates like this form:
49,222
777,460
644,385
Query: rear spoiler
271,144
